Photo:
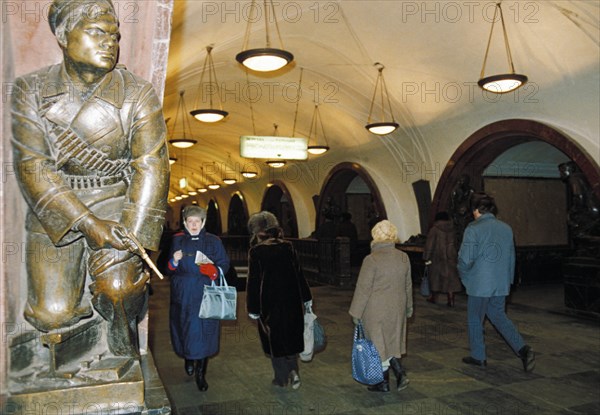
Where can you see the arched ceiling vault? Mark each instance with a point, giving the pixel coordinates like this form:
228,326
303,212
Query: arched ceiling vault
432,52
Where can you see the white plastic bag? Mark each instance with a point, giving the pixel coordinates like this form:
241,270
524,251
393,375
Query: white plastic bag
309,335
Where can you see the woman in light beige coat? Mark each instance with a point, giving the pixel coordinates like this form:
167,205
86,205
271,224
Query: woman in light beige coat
383,301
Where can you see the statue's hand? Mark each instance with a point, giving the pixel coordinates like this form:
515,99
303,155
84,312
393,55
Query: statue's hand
102,234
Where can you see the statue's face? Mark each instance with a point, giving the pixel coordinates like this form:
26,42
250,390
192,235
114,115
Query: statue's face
93,44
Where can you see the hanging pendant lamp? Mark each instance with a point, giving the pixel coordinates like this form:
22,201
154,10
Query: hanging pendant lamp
214,185
250,170
229,176
185,141
503,83
276,164
203,188
382,127
316,120
210,114
265,59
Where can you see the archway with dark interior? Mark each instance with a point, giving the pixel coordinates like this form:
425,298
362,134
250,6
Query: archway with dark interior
237,216
213,219
517,162
278,201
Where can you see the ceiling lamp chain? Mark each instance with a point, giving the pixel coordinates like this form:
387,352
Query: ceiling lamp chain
210,114
265,59
276,164
203,188
249,171
298,96
382,127
503,83
316,119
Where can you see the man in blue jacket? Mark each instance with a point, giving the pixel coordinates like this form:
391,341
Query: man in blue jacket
486,263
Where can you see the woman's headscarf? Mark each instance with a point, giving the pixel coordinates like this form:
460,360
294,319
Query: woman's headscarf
195,211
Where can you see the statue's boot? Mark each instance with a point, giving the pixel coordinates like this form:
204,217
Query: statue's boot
120,293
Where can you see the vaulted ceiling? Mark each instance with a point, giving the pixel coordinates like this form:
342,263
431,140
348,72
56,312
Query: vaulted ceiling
432,53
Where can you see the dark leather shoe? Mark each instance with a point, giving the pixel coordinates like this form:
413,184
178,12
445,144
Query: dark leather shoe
189,367
472,361
528,358
401,379
382,386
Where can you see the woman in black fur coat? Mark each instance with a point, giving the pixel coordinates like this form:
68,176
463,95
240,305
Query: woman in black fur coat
276,295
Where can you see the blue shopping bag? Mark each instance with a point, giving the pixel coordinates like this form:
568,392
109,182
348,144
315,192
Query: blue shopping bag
366,364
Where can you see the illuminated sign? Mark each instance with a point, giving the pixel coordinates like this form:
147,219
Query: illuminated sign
273,147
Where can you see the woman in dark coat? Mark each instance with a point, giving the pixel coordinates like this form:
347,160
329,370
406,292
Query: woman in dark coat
275,294
440,255
193,338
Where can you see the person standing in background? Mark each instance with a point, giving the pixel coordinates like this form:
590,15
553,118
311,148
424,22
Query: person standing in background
440,255
276,295
383,301
328,229
197,257
486,263
348,229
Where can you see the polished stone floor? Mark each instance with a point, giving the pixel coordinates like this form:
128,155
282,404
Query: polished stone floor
566,379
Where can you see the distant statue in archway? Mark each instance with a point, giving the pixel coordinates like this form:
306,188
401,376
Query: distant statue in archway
459,204
584,210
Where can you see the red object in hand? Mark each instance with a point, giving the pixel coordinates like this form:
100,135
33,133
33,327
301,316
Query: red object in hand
209,270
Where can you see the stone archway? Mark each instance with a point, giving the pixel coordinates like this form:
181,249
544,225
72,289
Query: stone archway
534,263
334,191
213,218
483,146
277,200
237,216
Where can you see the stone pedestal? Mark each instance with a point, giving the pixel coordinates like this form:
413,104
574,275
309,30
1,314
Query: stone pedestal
136,389
70,371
